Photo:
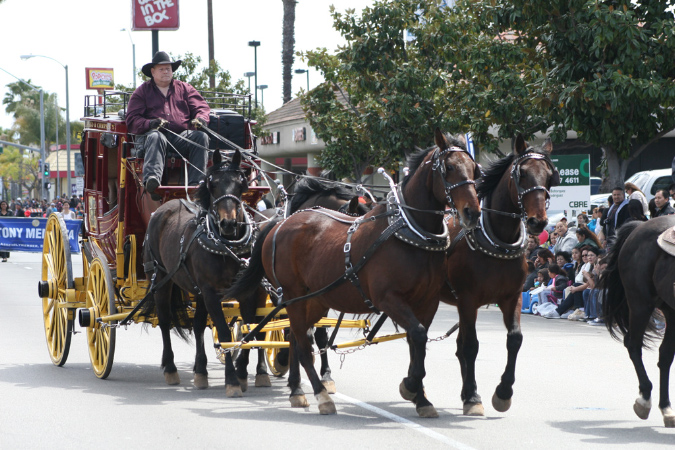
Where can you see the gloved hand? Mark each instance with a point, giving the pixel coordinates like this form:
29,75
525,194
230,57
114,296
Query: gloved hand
199,122
156,123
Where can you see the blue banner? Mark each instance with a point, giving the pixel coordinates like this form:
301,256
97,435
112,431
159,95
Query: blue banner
20,234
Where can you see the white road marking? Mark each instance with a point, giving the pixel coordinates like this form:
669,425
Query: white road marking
398,419
29,268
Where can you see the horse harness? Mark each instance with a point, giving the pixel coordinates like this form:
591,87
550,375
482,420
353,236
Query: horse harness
207,238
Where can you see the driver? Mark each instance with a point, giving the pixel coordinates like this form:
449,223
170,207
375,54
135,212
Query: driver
176,106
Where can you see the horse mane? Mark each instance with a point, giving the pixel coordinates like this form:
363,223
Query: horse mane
203,197
494,172
308,187
415,160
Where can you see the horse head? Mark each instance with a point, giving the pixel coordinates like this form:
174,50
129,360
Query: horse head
225,183
455,175
532,176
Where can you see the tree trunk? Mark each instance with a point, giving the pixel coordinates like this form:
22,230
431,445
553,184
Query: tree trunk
288,47
616,169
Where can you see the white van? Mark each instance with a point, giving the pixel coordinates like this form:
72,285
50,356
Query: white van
651,181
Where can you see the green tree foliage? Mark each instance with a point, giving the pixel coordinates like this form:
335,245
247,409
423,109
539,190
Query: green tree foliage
408,67
19,166
609,70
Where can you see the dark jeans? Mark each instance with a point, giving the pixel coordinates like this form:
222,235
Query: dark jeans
155,153
574,300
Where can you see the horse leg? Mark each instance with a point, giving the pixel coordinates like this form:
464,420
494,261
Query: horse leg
321,337
262,378
501,400
241,368
282,359
213,306
666,354
163,302
297,397
467,351
633,341
201,380
412,386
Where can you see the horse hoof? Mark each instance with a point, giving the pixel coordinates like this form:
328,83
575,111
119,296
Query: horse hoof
330,386
201,381
474,409
262,380
326,405
243,382
427,412
299,401
171,378
233,391
280,369
500,404
405,393
668,417
642,408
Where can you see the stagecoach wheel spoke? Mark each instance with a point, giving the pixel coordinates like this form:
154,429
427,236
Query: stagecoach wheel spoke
100,300
57,270
272,353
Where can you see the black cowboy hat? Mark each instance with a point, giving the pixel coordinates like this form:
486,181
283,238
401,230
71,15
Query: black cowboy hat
160,58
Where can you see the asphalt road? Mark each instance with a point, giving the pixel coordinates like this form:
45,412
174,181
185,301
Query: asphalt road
575,388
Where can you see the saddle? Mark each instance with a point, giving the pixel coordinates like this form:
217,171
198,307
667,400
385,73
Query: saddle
667,241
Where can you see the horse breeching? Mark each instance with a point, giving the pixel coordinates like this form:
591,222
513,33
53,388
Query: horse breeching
117,212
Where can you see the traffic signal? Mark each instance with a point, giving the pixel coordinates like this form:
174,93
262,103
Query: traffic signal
48,185
46,171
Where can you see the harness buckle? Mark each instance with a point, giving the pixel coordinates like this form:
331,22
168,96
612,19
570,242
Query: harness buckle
348,247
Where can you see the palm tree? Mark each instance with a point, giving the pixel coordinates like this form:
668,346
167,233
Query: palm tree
288,47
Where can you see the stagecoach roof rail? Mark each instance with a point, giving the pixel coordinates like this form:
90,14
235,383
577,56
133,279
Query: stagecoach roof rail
114,102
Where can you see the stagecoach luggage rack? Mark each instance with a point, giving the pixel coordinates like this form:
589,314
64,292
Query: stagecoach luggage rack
239,103
111,102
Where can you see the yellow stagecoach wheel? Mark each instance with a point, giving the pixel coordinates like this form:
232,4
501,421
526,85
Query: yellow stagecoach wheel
57,276
271,353
100,301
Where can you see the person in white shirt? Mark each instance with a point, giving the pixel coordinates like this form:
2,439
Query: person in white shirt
66,212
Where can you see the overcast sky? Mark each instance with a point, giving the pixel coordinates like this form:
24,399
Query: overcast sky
86,33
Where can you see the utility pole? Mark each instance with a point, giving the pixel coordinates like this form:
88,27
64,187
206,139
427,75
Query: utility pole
212,57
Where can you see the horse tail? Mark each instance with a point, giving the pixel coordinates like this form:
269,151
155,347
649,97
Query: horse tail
615,304
248,282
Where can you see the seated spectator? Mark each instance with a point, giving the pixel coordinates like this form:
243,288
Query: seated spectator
564,261
635,211
593,295
662,202
558,283
574,301
586,237
532,248
544,259
582,314
531,277
566,239
582,219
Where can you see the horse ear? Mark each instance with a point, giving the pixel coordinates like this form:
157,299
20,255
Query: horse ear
353,205
236,160
520,145
548,146
217,158
440,140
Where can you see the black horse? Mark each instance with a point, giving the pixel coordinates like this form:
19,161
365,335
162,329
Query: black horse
198,247
639,278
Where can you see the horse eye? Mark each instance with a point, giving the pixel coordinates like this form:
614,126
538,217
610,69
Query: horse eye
449,167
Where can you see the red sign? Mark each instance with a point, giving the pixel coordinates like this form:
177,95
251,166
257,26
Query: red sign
154,15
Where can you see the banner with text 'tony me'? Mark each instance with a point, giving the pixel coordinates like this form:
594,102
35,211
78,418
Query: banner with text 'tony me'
27,234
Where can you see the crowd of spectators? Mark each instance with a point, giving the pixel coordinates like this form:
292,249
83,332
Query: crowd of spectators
573,255
74,207
71,209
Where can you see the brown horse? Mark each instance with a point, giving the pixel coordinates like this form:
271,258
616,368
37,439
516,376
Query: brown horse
311,255
639,278
486,265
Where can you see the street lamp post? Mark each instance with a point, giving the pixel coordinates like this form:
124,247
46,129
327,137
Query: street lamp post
300,72
249,75
65,66
262,88
133,51
42,124
255,45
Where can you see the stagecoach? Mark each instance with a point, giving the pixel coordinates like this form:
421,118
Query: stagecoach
116,217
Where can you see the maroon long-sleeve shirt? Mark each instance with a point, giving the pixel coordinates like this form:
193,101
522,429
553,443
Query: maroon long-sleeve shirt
182,104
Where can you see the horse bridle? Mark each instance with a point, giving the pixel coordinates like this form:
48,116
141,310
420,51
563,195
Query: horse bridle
438,166
515,176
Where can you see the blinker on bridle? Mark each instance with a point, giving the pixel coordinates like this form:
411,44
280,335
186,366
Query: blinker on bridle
515,175
438,165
